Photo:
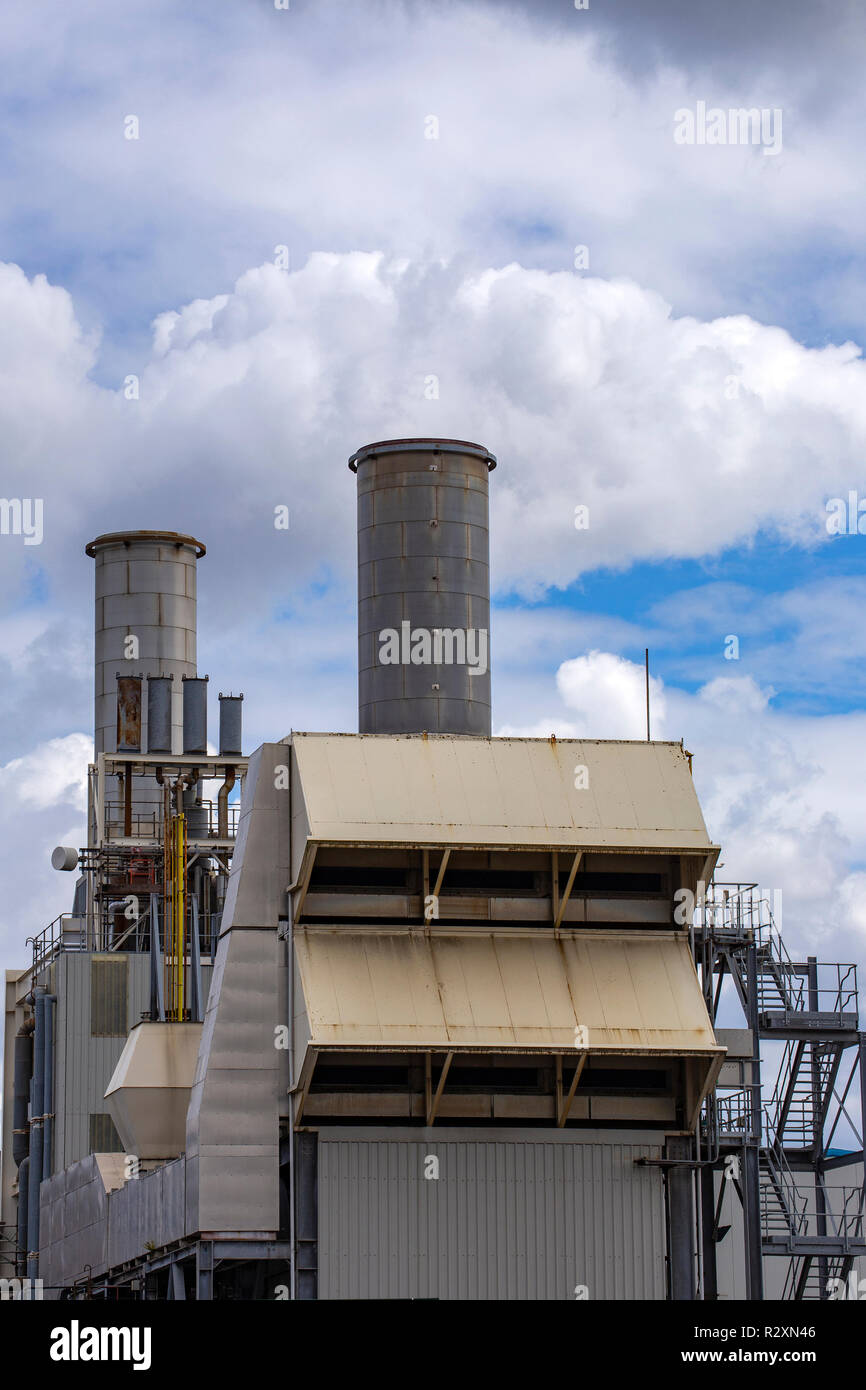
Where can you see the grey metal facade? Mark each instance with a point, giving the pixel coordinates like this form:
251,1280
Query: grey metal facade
83,1225
423,560
85,1063
513,1214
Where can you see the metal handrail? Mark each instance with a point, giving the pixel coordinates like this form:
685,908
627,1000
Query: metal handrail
148,824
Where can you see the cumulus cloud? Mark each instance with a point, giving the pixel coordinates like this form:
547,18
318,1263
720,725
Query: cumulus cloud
260,127
775,788
591,392
608,696
54,774
43,801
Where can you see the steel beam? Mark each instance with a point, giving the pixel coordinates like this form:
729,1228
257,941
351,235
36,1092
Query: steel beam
681,1264
204,1267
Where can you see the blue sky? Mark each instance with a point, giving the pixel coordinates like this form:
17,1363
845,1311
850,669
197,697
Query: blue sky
700,385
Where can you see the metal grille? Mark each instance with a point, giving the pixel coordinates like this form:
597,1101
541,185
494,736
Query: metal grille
104,1138
109,1009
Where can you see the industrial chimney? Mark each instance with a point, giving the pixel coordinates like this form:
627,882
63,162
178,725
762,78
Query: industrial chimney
145,622
423,587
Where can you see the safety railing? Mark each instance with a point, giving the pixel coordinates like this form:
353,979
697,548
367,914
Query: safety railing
202,821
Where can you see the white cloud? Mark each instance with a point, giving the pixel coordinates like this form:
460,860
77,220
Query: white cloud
608,696
775,788
590,392
54,774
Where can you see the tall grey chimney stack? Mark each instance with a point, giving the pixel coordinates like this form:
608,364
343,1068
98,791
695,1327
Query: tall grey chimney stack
423,587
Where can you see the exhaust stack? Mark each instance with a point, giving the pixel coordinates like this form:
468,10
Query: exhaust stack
145,618
423,587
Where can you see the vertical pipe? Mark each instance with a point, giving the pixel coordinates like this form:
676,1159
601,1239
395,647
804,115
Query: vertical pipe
194,714
231,711
127,800
48,1098
23,1203
23,1073
37,1106
157,1006
195,1000
159,699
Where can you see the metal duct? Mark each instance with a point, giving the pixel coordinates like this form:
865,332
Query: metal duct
159,700
231,711
194,714
423,587
128,714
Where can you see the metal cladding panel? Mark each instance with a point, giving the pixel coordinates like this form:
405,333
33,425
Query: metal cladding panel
85,1064
423,560
148,1210
633,992
73,1210
368,789
522,1215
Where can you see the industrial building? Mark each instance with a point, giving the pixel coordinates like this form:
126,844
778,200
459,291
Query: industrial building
415,1012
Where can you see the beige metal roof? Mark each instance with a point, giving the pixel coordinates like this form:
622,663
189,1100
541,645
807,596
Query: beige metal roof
633,993
395,790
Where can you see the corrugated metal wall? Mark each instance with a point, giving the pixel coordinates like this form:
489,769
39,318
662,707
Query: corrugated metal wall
524,1215
84,1063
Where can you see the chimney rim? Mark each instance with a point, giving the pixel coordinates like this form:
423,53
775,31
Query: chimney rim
422,445
128,538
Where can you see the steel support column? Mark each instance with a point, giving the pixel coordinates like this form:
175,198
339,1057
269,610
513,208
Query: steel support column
681,1222
708,1228
752,1149
204,1271
306,1217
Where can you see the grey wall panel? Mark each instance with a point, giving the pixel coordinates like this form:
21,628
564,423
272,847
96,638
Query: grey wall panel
524,1215
73,1210
84,1064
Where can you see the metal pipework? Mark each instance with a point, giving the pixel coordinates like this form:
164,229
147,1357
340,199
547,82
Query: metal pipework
37,1106
423,587
48,1086
223,804
21,1091
231,711
194,714
159,700
23,1205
